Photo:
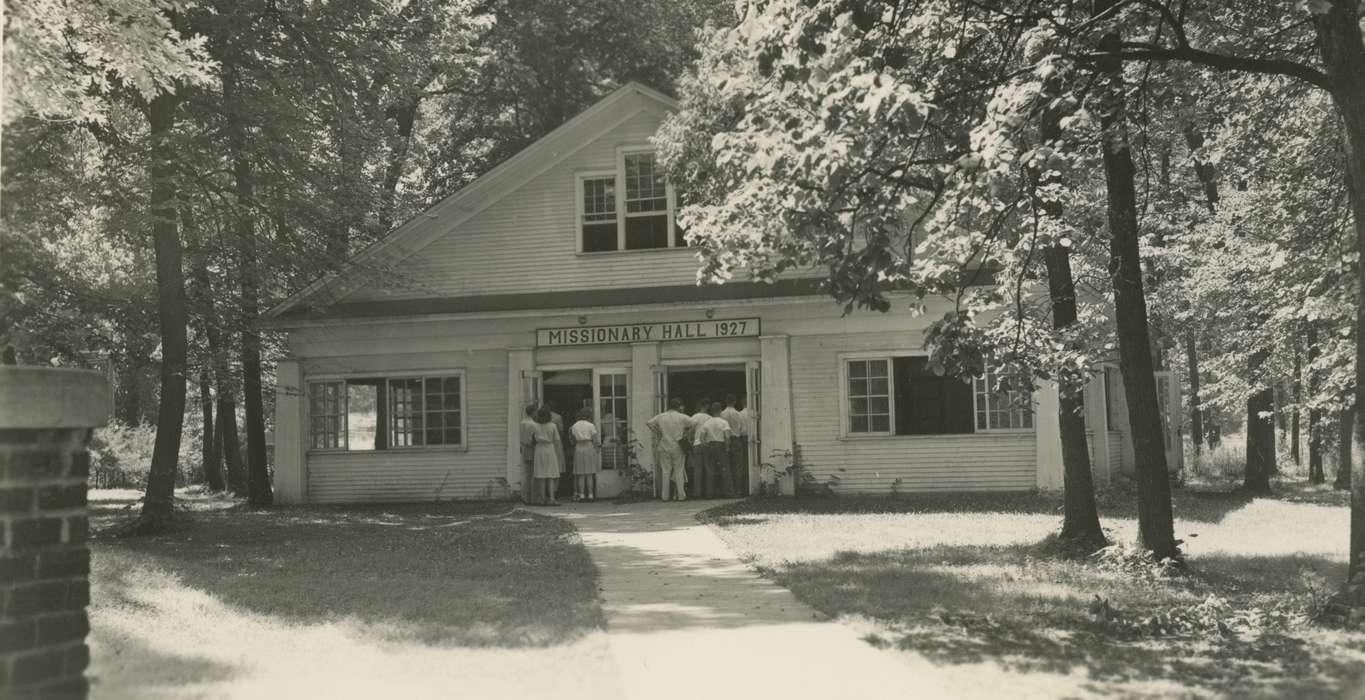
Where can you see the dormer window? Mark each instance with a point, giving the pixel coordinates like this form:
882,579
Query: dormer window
631,209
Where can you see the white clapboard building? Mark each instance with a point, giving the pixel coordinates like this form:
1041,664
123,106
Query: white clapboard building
560,276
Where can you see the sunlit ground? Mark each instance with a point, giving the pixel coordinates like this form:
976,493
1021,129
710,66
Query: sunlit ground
960,581
399,601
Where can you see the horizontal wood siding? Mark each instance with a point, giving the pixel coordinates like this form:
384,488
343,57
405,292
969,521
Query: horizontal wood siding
980,462
1115,451
528,240
421,474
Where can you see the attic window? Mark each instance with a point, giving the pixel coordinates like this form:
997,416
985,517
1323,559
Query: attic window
599,214
633,208
646,203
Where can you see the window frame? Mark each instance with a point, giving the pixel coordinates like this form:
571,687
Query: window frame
619,173
580,178
977,393
845,416
386,377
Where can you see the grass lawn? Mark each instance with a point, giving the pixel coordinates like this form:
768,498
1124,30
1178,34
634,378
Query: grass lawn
958,584
413,600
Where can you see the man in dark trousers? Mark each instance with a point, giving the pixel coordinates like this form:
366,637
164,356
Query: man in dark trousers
739,442
713,436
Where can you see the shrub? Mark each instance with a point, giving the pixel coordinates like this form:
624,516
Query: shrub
120,455
638,482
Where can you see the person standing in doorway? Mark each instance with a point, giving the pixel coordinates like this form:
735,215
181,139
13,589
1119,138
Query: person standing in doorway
530,494
695,464
714,438
739,442
587,456
558,420
545,437
670,438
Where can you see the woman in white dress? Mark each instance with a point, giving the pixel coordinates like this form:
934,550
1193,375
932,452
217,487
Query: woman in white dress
587,456
545,436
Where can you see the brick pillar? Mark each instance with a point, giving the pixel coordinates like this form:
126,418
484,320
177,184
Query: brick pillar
46,416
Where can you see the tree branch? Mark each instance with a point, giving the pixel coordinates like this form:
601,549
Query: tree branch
1148,52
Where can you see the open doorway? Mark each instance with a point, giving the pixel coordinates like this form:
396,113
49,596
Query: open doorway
695,382
567,391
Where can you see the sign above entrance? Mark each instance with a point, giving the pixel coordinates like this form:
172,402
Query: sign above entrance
648,332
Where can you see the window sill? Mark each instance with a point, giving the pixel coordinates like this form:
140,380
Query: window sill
859,437
422,448
609,253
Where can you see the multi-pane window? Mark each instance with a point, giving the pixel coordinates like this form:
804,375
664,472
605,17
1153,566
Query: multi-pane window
869,396
629,210
905,396
612,417
599,214
378,413
425,411
1002,405
646,203
326,412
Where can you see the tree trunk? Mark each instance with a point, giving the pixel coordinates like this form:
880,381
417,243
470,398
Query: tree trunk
1345,429
1315,471
1295,399
1080,519
1196,415
159,500
231,447
1155,525
129,408
213,469
1260,437
405,114
1343,59
258,474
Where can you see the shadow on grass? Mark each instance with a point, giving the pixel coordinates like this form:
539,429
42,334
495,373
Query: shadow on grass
1203,503
128,667
466,574
967,604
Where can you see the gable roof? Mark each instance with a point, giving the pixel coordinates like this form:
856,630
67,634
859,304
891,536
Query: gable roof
444,216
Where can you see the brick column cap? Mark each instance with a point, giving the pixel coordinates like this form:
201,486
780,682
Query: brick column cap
37,398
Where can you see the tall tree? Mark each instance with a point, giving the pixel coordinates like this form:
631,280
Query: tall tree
1315,471
1260,432
1080,517
258,476
1155,520
158,502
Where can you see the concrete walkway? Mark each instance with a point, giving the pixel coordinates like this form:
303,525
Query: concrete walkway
687,619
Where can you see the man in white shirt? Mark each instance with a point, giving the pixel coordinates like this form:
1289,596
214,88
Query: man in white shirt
670,433
739,442
713,436
695,464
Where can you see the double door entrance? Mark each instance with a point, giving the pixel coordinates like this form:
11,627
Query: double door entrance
620,415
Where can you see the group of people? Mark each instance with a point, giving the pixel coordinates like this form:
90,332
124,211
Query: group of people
543,456
705,454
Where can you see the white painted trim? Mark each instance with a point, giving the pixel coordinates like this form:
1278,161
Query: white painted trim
845,418
568,311
728,361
